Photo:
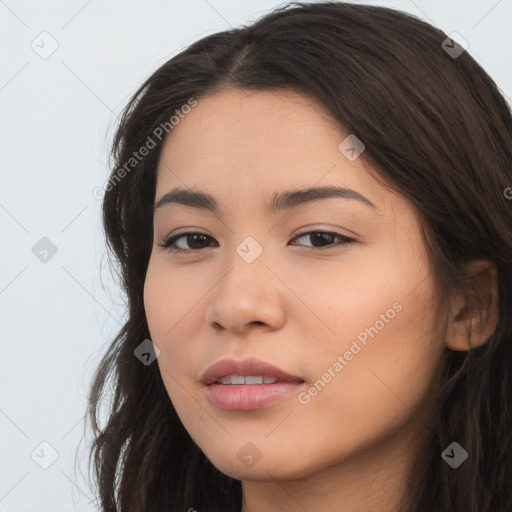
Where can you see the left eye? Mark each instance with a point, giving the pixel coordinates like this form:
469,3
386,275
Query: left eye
325,236
316,236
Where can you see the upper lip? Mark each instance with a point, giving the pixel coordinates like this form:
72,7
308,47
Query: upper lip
251,366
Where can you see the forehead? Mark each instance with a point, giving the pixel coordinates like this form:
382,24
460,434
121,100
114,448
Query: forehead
240,120
239,145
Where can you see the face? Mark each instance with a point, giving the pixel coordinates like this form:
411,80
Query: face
350,312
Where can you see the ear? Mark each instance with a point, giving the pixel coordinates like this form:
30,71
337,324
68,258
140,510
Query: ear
474,311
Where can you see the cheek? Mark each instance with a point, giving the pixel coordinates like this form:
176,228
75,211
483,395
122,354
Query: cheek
171,328
372,294
163,313
155,298
387,369
170,301
380,320
167,301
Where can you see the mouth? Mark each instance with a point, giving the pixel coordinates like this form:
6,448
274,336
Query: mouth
249,384
247,397
240,380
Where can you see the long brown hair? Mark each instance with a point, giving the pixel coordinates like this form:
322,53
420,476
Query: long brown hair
436,129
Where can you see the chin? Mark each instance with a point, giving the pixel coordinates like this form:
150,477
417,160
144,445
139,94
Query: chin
261,467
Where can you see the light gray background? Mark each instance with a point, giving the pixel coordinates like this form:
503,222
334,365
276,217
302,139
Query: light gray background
57,115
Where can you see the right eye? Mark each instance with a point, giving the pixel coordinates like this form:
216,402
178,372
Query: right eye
194,237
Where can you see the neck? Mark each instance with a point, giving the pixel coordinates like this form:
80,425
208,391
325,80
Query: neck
372,480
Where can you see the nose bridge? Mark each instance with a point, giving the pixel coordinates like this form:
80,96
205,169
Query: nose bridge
247,265
248,291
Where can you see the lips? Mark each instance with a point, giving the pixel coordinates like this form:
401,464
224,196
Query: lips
248,385
247,367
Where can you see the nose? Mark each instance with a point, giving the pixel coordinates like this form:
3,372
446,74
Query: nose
248,294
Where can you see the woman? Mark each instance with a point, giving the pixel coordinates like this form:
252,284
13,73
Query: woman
312,223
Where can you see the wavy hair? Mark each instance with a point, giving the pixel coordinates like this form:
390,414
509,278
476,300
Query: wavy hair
437,130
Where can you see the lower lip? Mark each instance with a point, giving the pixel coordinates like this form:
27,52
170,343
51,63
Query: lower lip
247,397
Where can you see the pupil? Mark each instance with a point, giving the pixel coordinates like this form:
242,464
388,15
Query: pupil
195,238
319,235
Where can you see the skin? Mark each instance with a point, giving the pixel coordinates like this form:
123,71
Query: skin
351,447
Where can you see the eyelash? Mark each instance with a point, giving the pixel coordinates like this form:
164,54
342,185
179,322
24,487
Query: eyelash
170,241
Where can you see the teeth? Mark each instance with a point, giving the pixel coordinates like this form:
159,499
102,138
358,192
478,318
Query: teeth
250,379
237,379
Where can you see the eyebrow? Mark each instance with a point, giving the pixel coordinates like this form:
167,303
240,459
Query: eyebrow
283,201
